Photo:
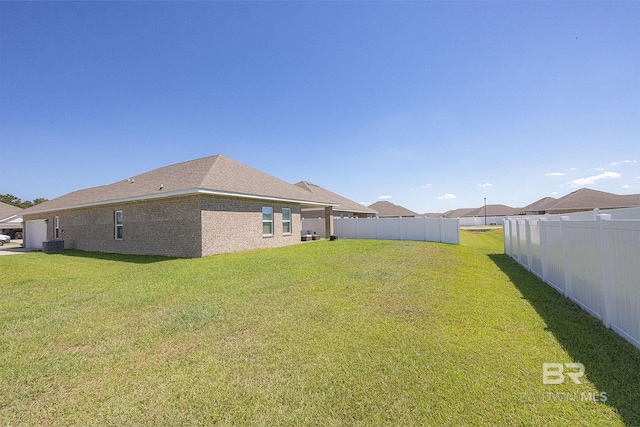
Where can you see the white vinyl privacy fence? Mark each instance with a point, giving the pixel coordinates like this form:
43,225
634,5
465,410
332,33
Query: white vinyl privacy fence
445,230
594,262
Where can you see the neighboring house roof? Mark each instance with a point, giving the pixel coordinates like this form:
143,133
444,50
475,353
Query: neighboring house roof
458,213
539,205
433,215
494,210
7,210
342,203
587,199
216,175
385,208
10,216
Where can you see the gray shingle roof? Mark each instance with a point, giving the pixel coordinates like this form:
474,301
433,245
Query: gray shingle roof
213,175
492,210
343,204
539,205
587,199
458,213
385,208
7,210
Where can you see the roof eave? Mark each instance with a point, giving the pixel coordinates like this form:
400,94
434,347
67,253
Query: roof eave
185,193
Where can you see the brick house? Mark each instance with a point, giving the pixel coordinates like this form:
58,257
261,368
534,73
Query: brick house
191,209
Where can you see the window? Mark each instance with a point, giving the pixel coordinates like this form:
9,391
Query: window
267,221
56,227
118,225
286,220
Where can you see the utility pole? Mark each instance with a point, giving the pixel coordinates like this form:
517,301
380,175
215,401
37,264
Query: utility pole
485,211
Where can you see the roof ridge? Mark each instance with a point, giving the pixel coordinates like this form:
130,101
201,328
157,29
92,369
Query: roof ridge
214,161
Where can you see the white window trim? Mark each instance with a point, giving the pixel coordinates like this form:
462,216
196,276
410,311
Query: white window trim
56,227
284,221
116,225
267,221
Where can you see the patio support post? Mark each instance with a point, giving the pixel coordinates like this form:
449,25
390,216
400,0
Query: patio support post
328,222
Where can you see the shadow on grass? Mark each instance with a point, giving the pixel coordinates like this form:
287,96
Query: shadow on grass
135,259
611,363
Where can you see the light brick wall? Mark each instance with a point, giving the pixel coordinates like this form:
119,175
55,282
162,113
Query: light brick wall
188,226
161,227
235,224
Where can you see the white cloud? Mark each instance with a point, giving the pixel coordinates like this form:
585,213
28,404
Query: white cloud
573,169
590,180
598,169
383,197
365,203
425,186
447,196
486,184
624,162
554,193
554,174
626,186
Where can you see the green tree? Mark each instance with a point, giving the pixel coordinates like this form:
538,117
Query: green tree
10,199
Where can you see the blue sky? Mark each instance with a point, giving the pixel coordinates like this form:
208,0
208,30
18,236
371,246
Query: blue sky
430,105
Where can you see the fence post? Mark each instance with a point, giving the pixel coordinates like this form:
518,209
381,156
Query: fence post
527,225
510,237
566,256
605,256
504,235
543,248
519,256
424,228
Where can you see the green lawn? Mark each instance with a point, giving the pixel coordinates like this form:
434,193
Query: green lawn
355,332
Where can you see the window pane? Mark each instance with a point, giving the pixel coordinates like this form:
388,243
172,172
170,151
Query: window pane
267,220
267,214
266,228
286,221
118,225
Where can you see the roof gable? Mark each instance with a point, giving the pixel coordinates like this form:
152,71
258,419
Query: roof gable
343,204
458,213
7,210
540,205
587,199
492,210
385,208
209,175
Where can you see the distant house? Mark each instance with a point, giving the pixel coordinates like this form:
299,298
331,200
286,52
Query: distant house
458,213
490,210
584,199
191,209
10,219
342,207
387,209
539,207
